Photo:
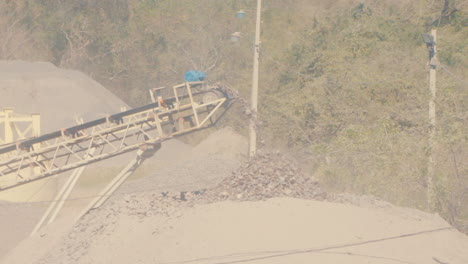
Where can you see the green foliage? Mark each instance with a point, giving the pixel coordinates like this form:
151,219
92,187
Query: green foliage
361,71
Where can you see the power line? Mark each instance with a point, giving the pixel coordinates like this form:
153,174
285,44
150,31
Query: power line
281,253
453,75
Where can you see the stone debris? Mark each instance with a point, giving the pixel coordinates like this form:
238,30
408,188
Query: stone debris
265,176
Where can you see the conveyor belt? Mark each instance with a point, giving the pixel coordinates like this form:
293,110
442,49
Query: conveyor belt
66,149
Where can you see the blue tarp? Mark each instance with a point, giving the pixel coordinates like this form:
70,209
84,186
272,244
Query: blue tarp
194,76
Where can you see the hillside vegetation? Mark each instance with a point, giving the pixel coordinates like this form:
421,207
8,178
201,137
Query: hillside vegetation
343,86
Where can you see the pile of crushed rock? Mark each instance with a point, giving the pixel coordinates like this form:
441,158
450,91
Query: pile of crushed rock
265,176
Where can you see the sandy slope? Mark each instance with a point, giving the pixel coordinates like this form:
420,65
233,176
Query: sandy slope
273,230
279,230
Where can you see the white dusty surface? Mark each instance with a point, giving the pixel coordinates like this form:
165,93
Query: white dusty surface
15,223
280,230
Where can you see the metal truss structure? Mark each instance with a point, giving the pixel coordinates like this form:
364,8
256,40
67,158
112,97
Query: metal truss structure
190,106
18,126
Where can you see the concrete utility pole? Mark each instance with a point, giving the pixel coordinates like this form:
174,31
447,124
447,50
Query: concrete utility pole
254,96
433,63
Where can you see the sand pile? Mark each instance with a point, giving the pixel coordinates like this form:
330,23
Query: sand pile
58,95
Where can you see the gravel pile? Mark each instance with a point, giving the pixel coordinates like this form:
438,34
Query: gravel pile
265,176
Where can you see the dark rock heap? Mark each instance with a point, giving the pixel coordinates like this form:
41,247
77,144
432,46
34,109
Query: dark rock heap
265,176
